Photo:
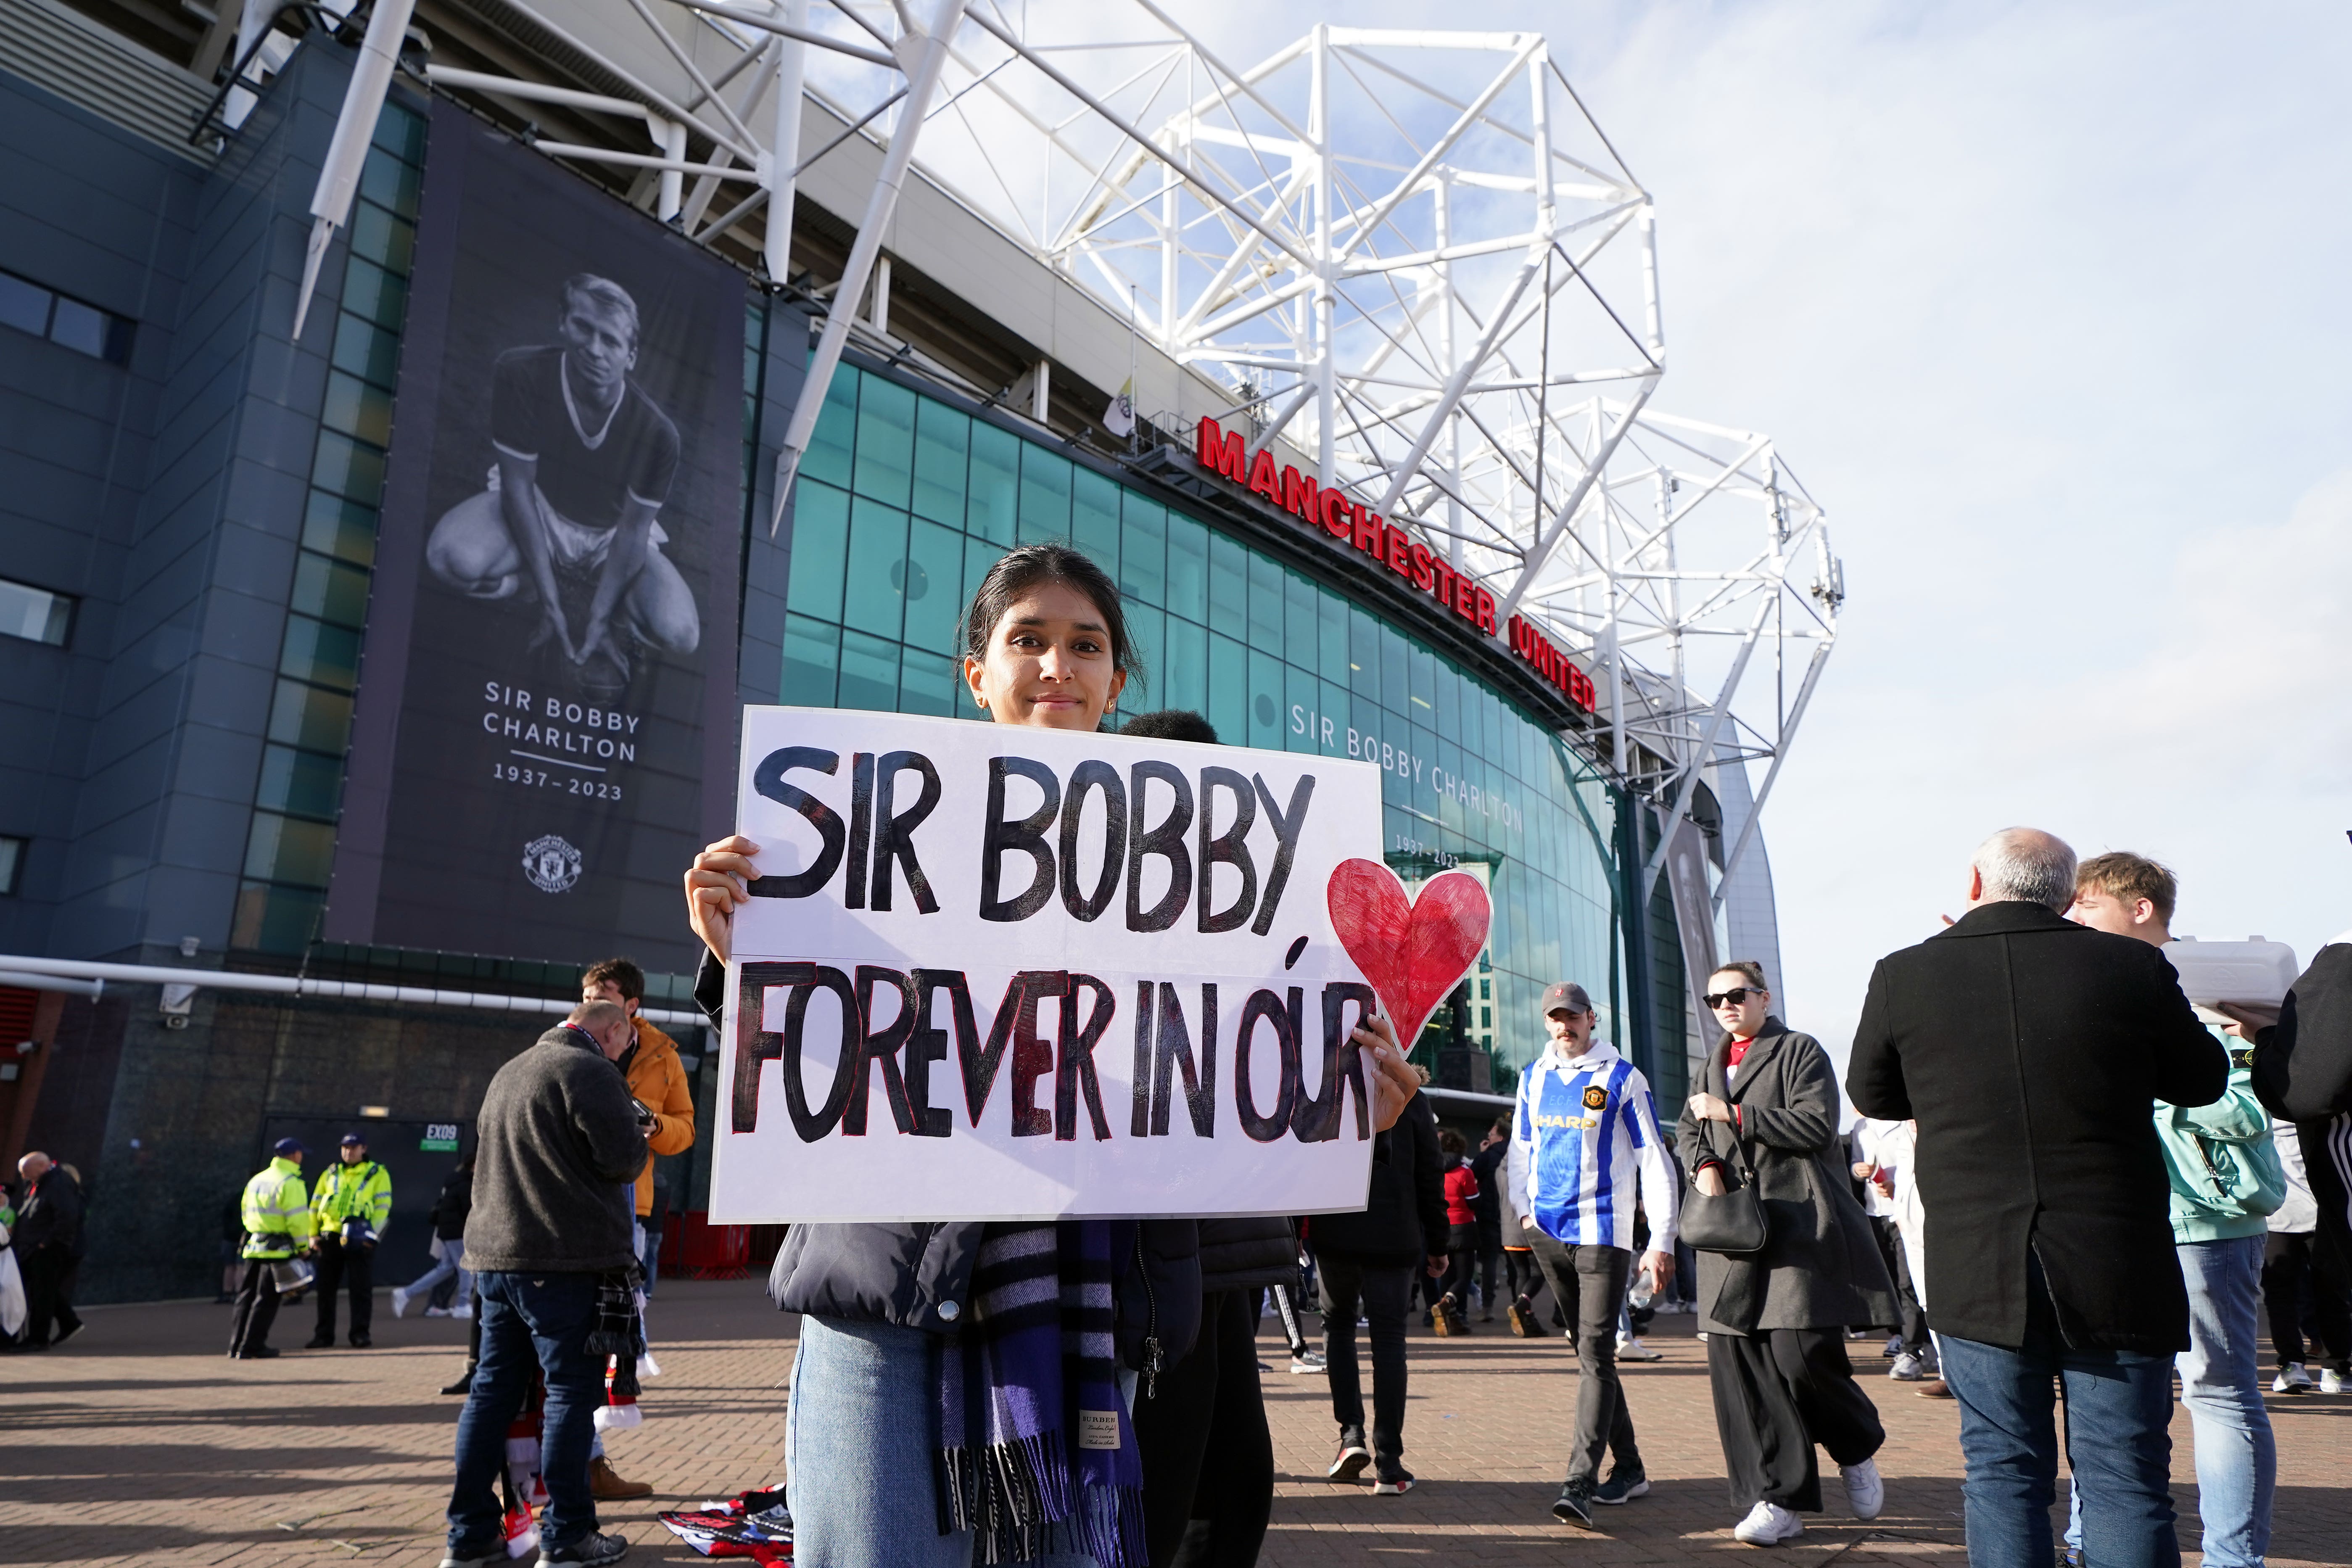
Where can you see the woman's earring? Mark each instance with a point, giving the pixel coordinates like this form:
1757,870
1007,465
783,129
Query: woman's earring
979,700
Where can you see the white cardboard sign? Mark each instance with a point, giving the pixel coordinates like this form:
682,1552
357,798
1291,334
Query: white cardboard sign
994,972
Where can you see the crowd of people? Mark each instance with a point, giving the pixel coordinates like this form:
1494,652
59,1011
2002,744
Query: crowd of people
2066,1187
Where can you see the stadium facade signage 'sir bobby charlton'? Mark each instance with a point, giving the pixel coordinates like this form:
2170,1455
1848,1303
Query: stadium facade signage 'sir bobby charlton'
994,974
548,701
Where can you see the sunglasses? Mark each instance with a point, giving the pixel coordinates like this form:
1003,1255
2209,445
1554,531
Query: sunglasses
1735,997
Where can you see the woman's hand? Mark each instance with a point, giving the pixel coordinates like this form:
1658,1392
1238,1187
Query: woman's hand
1707,1108
717,885
1393,1080
1708,1180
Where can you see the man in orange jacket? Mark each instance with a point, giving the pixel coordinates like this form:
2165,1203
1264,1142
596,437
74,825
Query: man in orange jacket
656,1080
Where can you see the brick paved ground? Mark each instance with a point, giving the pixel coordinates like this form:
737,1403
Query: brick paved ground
138,1443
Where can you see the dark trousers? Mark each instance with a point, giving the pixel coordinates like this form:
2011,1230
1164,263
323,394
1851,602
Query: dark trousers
1914,1326
257,1307
1490,1252
1520,1276
48,1272
2304,1292
1380,1290
340,1264
1285,1305
1208,1456
525,1320
1461,1259
1778,1392
1589,1283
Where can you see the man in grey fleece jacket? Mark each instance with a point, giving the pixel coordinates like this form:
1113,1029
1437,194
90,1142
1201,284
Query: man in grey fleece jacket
559,1145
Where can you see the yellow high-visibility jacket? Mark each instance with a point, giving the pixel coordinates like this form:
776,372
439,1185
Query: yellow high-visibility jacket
277,1211
352,1192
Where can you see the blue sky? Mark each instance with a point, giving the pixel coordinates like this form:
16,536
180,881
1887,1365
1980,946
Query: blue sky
2048,306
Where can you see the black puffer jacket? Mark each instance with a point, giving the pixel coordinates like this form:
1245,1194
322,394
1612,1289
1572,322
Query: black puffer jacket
918,1275
1244,1254
1403,1217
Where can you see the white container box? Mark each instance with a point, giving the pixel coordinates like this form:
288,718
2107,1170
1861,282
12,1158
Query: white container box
2248,972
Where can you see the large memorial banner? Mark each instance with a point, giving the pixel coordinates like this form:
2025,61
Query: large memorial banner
546,706
1002,972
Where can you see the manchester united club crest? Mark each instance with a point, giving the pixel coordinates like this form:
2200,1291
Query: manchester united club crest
551,863
1595,1098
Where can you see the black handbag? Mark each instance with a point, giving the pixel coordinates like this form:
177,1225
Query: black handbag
1733,1226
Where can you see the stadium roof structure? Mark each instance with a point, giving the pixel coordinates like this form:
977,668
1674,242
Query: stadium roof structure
1412,259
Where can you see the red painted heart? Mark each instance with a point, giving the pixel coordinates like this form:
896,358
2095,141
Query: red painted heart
1413,951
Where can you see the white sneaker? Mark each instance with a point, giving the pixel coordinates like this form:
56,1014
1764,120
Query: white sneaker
461,1311
1767,1524
2331,1381
2292,1379
1907,1368
1631,1348
1863,1489
399,1302
436,1311
1311,1361
647,1366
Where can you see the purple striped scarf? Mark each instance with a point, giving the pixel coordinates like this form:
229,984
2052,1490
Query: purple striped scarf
1036,1453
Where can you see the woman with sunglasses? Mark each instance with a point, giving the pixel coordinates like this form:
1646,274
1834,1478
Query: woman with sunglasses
1775,1322
895,1342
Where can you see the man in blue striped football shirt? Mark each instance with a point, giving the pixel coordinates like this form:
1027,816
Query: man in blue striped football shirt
1585,1126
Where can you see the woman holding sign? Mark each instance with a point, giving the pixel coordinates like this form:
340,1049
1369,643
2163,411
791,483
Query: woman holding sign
933,1402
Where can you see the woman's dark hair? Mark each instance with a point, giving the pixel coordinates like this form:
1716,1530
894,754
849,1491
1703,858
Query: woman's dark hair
1745,968
1452,1142
1170,724
1030,566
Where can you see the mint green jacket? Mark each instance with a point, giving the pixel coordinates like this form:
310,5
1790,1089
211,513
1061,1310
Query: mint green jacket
2225,1171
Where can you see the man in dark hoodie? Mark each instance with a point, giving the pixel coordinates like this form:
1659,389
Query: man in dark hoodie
1365,1261
549,1235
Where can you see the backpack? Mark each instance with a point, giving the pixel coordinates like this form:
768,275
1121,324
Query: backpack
2243,1178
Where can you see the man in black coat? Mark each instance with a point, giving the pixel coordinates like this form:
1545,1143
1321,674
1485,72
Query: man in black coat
2303,1074
2029,1049
1366,1260
48,1240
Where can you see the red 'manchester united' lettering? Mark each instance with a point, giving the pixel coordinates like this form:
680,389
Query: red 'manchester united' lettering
1321,505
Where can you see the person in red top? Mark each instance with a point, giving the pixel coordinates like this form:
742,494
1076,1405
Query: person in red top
1461,1237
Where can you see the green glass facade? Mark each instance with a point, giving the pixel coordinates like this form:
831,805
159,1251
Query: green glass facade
291,844
905,500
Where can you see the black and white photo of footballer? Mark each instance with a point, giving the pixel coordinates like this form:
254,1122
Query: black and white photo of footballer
584,461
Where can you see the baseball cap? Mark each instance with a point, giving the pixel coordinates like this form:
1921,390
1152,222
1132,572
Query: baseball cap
1566,997
354,1137
289,1147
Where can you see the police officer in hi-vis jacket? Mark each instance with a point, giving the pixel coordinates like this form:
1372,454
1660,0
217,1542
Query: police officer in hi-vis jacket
349,1208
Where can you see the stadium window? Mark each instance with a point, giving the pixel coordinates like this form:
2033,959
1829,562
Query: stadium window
45,313
12,864
34,614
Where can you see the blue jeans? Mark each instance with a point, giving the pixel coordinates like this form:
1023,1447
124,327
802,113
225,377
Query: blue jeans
451,1265
527,1320
2222,1383
2118,1409
859,1435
